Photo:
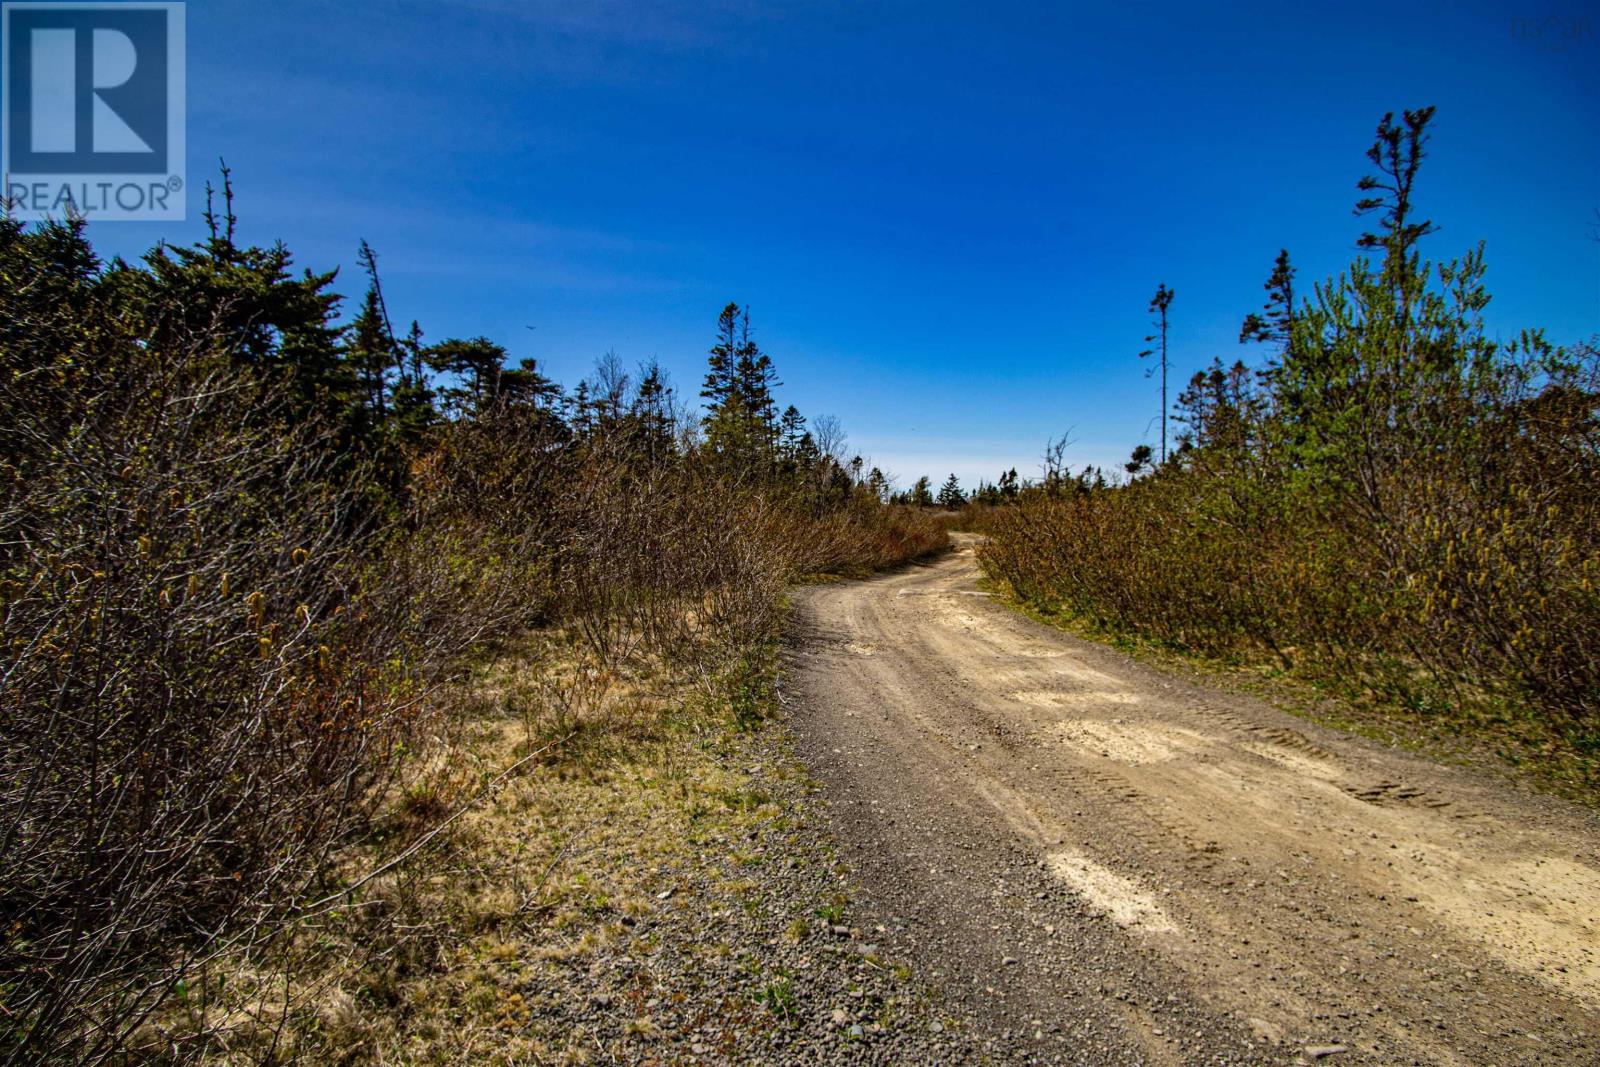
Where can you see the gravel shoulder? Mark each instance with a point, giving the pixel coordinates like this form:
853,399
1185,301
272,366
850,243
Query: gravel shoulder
659,888
1099,862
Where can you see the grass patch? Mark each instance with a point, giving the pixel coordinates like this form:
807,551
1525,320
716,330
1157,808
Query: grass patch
641,890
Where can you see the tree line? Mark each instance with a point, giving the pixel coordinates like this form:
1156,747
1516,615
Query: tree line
249,550
1399,501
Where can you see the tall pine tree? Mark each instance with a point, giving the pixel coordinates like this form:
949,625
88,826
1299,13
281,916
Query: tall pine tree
1158,308
741,420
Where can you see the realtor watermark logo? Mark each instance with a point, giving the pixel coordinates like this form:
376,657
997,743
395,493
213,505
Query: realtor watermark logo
93,116
1554,33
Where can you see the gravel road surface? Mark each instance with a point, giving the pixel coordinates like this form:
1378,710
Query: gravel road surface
1104,863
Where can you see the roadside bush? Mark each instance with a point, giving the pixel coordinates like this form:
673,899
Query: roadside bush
245,554
1475,570
199,701
1403,504
864,538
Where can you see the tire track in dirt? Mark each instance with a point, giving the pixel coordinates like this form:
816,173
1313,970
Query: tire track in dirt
1189,875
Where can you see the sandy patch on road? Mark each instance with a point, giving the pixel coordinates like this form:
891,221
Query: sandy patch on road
1117,898
1537,915
1130,743
1310,766
1051,698
1077,672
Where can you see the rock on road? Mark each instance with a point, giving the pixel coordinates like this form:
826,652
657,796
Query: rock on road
1105,863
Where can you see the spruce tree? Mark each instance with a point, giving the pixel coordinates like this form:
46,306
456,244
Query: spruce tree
263,314
756,379
652,413
1218,406
741,420
476,364
721,381
370,352
1275,323
878,483
807,454
412,396
1158,307
790,427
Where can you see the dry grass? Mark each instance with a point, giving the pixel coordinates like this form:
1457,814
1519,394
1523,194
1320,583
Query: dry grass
465,953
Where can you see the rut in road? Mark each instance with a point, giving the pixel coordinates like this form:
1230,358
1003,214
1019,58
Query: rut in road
1113,864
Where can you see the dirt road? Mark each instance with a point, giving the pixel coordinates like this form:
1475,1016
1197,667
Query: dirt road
1109,864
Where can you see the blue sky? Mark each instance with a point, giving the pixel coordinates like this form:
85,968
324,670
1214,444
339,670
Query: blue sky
947,218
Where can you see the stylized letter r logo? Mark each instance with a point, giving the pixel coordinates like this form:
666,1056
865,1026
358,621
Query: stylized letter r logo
55,91
87,89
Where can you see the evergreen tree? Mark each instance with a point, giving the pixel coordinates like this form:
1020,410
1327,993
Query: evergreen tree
1139,460
524,386
475,364
1385,361
261,313
838,484
1158,307
1397,152
1218,406
877,483
652,414
950,494
790,428
414,354
721,384
807,455
580,409
373,349
1008,484
921,494
757,378
412,397
371,352
741,420
1274,324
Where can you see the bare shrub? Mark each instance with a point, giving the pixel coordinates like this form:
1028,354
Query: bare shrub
187,725
246,555
1472,566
